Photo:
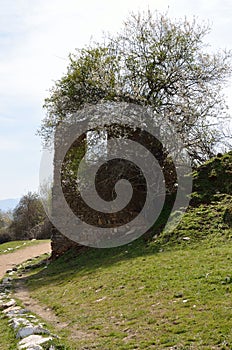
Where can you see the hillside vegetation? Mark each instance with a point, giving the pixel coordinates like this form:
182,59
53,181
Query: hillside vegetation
210,212
173,293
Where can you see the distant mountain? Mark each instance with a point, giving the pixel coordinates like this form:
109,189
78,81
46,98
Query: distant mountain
6,204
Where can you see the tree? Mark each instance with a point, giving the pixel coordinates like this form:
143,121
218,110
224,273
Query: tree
5,218
2,222
27,214
153,61
5,222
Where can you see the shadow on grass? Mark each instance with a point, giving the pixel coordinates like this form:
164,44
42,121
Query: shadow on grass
88,261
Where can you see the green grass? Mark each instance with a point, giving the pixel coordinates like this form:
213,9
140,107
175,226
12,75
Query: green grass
7,337
15,245
211,178
206,220
136,297
171,293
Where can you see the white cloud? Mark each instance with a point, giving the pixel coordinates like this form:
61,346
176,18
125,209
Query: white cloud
5,120
9,145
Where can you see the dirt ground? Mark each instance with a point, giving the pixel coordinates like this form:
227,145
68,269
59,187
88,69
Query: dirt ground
7,261
33,305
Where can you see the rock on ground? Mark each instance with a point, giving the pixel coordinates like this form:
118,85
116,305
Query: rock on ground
31,341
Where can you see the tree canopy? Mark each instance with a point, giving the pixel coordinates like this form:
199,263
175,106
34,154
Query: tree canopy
153,61
27,214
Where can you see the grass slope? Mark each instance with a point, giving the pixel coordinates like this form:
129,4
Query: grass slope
172,293
136,297
7,337
210,210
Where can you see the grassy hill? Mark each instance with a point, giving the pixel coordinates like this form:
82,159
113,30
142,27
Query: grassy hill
173,293
137,297
210,212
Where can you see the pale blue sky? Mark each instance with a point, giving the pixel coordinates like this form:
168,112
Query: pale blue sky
35,40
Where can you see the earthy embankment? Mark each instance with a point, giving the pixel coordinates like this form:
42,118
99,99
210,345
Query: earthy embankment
7,261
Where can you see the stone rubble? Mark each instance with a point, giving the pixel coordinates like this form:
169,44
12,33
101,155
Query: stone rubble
33,342
28,330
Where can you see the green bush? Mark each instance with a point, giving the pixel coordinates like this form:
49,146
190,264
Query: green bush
227,217
6,235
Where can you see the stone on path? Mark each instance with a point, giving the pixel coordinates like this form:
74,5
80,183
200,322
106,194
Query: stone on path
31,341
29,330
7,305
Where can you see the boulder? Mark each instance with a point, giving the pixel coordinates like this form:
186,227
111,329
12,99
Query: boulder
30,330
32,341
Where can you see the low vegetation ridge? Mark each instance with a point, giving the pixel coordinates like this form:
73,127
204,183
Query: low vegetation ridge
210,212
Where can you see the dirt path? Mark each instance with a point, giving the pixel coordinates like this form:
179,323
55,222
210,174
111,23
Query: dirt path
7,261
33,305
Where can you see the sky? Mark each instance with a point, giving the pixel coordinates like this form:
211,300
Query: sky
36,38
